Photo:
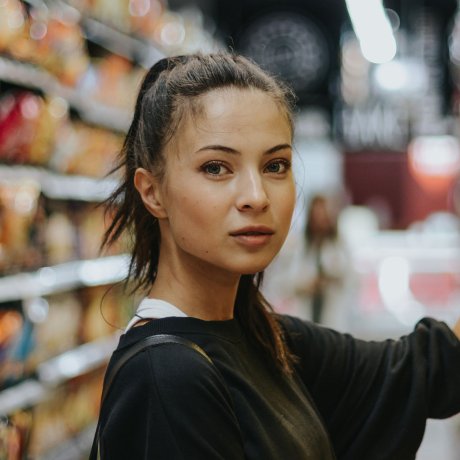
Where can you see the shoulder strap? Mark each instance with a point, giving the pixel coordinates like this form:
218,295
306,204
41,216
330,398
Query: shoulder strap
153,340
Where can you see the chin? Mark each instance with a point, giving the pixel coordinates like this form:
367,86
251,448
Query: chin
254,269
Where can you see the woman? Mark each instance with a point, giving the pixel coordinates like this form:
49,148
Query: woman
208,194
321,271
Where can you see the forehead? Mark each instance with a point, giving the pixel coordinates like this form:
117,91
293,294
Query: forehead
223,102
231,112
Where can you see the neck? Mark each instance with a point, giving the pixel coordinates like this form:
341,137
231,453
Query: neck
199,290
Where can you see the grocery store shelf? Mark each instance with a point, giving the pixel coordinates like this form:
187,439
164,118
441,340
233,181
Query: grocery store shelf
23,395
73,363
64,277
75,448
122,44
30,76
79,361
61,186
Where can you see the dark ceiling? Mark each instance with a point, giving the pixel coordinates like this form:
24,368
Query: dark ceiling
296,50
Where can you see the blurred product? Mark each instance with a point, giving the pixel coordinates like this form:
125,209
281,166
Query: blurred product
12,349
71,408
28,126
12,23
85,150
56,326
137,17
106,309
19,225
49,38
110,81
15,433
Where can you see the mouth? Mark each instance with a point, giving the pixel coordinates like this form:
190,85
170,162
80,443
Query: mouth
253,237
253,231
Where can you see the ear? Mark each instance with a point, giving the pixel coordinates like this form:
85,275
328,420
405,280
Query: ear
150,192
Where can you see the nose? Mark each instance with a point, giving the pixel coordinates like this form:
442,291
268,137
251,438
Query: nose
252,195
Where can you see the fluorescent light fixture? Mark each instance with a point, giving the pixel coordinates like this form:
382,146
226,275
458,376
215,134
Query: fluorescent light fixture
373,29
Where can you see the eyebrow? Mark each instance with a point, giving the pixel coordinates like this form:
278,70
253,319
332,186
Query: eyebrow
225,149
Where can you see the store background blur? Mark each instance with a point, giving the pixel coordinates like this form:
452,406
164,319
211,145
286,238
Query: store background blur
377,132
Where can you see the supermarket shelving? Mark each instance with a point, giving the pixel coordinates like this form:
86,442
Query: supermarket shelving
30,76
61,186
63,277
68,365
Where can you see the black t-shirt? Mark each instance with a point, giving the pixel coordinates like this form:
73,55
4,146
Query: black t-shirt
371,398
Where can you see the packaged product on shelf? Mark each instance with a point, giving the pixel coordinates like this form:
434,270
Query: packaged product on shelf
106,311
111,81
57,44
15,431
70,409
113,13
56,326
60,46
14,343
60,238
50,38
134,17
28,126
145,16
20,225
89,223
12,23
85,150
74,231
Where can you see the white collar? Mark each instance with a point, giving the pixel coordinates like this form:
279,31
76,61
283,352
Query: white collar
154,308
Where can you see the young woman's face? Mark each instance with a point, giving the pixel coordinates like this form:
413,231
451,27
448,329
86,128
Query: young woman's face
228,191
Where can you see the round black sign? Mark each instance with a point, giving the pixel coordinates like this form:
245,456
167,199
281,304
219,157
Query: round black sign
290,46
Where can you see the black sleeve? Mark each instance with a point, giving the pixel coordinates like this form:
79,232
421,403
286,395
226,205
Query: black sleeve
375,397
169,403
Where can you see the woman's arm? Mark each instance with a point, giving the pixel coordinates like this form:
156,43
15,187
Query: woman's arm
376,396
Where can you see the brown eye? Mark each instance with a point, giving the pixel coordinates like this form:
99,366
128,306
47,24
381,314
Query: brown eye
214,168
277,167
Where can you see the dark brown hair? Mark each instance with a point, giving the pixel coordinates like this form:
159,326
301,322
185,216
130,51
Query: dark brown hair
169,90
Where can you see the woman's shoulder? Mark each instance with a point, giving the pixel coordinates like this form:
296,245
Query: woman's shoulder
293,325
167,358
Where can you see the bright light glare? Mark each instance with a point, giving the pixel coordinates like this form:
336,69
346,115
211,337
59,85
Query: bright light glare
435,155
373,29
392,76
102,271
400,75
37,309
393,281
394,286
47,276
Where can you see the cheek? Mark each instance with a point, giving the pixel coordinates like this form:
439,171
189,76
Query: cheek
194,215
285,203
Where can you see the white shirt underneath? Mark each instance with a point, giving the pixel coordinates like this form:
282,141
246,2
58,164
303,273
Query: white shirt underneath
154,308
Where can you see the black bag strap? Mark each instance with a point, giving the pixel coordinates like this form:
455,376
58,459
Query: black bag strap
153,340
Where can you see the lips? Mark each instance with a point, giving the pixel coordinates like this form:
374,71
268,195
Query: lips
253,231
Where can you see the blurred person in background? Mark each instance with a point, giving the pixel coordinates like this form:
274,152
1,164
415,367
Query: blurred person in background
207,196
322,267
